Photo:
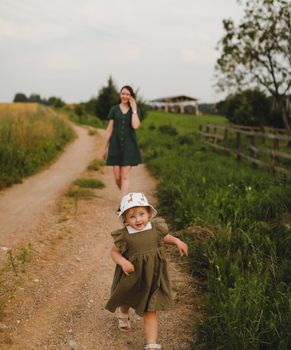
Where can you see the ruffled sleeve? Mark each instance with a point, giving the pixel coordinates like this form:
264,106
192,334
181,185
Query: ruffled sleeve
161,227
119,240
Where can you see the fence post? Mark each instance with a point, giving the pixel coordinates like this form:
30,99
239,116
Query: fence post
274,160
215,132
225,136
263,135
207,131
238,145
253,146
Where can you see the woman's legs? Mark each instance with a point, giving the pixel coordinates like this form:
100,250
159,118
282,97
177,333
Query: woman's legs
117,175
151,327
125,180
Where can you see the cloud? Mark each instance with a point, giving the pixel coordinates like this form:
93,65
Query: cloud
168,42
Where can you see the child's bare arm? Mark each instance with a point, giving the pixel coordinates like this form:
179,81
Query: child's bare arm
126,265
181,246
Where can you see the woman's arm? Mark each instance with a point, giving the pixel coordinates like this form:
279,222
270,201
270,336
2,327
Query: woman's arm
126,265
181,246
108,134
135,122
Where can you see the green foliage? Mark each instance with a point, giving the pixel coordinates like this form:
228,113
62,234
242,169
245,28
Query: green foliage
244,267
249,107
84,118
257,51
55,102
52,101
168,129
107,97
80,193
96,165
89,183
25,254
20,97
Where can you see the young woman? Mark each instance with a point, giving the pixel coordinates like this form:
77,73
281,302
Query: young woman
120,147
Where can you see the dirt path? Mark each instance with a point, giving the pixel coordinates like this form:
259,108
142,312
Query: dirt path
59,303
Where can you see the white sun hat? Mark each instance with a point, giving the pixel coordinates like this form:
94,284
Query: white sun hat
135,199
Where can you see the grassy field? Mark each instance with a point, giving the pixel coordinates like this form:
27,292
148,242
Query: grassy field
31,136
184,123
244,267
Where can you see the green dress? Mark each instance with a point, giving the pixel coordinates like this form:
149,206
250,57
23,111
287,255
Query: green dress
148,288
123,146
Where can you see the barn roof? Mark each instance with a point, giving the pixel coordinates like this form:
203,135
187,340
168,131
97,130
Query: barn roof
178,98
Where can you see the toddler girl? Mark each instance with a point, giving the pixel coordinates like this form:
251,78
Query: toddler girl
141,278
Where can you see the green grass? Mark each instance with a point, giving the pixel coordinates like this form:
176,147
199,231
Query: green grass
80,193
96,165
85,119
89,183
245,267
30,137
184,123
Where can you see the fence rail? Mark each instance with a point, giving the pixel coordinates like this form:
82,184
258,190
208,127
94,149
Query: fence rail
251,144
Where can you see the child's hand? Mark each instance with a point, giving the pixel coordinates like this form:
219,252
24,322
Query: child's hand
182,247
127,267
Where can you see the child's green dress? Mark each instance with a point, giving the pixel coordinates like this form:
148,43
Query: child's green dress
123,147
148,288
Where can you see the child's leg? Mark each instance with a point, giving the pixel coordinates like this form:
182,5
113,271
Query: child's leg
151,327
125,180
117,175
123,318
124,309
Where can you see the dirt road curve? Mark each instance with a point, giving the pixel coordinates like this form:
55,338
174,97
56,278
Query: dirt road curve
29,201
59,302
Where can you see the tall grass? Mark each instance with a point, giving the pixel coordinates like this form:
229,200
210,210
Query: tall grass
84,119
31,135
245,267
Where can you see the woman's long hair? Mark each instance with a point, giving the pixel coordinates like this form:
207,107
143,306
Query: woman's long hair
130,89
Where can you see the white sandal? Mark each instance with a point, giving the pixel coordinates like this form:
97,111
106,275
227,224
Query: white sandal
152,346
124,324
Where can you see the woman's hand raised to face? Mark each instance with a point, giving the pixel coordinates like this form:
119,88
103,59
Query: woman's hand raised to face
133,104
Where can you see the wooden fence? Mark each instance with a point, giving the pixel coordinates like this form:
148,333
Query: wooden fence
266,147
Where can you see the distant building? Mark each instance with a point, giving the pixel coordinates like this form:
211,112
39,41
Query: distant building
177,104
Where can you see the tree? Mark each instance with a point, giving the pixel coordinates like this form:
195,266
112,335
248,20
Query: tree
249,107
107,97
257,52
56,102
35,98
20,97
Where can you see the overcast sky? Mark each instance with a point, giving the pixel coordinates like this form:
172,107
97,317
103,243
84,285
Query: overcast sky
68,48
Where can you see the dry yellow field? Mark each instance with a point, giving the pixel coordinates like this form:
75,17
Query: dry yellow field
31,135
23,109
